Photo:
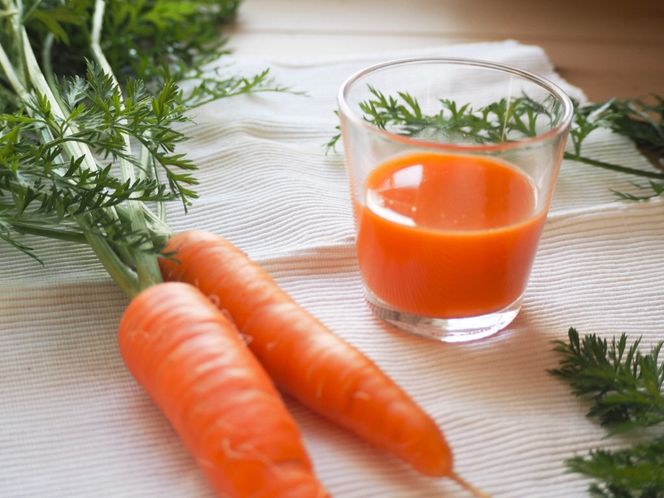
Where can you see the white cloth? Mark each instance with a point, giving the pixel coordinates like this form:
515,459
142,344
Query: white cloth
74,424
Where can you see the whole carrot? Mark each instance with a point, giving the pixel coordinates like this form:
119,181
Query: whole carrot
304,357
193,363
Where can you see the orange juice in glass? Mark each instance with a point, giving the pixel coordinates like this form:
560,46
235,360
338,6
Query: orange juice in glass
449,212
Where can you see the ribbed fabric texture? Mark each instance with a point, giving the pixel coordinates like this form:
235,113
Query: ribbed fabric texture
74,424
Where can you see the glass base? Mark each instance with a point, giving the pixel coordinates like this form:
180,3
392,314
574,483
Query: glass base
445,329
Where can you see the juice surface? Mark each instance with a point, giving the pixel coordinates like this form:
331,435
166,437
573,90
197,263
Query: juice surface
446,235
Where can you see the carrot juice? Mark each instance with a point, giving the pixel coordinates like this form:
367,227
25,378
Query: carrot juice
446,235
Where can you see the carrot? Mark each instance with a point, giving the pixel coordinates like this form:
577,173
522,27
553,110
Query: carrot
306,359
193,363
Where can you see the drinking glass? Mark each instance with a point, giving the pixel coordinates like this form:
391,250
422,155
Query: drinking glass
451,164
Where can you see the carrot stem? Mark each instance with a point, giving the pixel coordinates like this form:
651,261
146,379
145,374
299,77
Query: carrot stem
49,232
147,266
121,275
11,75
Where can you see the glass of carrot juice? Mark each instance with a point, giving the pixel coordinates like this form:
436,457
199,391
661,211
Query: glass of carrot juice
452,164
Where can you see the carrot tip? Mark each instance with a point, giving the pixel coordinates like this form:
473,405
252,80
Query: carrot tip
469,487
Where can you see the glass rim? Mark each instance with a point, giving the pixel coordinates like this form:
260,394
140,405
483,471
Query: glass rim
549,86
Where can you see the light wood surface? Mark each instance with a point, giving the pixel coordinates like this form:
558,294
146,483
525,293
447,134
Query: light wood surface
612,48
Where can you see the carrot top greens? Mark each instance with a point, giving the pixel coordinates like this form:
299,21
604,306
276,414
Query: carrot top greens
89,101
640,120
625,388
624,384
152,40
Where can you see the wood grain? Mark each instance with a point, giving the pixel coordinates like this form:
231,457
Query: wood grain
610,48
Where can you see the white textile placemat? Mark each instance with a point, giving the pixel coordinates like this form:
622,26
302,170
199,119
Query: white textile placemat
74,424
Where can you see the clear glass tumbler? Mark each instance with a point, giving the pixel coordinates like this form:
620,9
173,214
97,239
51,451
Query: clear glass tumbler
452,164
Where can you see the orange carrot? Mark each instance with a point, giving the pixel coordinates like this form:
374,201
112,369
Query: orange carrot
305,358
193,363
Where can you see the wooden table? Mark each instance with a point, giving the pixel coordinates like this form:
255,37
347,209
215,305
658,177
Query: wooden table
611,48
